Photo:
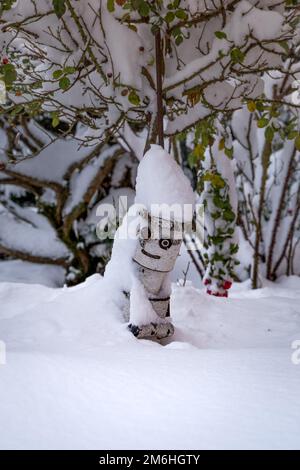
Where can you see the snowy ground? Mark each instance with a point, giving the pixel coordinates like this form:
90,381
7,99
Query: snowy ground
31,273
76,379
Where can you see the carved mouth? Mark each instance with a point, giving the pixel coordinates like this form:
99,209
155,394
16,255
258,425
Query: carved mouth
150,255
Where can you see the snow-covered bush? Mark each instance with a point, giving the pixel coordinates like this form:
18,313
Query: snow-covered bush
50,194
267,149
102,64
145,72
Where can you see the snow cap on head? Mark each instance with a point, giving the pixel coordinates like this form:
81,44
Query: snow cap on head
161,181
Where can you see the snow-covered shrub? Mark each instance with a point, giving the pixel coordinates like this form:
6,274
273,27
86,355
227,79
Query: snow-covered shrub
146,72
209,153
249,173
102,64
267,149
50,191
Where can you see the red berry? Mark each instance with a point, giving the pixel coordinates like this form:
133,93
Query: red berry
225,294
206,282
217,294
227,285
5,61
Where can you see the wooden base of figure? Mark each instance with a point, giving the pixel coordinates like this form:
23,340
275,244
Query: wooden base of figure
153,330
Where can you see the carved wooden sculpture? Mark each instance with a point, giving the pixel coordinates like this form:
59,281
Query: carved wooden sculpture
158,246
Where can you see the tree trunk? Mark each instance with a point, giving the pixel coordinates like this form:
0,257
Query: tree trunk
267,151
276,224
159,89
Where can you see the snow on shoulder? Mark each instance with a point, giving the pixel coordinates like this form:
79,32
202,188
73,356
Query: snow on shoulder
161,182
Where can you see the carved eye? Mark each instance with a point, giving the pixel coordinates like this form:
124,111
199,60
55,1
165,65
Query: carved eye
165,243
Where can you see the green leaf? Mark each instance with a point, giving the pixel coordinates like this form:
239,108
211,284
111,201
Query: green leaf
111,5
9,74
154,29
192,160
292,135
297,142
285,46
178,40
57,74
169,17
181,14
221,145
218,202
260,106
229,152
215,179
215,215
134,98
199,151
237,56
64,83
229,216
251,105
7,4
234,248
144,9
176,31
59,7
220,35
269,133
69,70
55,119
262,122
217,240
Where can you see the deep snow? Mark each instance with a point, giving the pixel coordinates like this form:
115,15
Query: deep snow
76,379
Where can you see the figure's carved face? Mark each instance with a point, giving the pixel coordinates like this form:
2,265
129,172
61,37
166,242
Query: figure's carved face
158,254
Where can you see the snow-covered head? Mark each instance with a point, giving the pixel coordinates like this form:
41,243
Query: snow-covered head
162,187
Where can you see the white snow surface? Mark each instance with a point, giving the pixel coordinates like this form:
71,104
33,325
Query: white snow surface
161,181
75,378
31,273
54,160
30,234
